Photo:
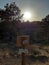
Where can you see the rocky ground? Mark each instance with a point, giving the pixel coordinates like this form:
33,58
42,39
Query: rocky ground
40,56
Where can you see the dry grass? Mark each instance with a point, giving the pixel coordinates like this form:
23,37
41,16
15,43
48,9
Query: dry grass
5,59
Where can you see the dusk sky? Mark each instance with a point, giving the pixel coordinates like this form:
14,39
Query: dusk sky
38,8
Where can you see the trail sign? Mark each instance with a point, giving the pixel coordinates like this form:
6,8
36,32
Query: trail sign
23,41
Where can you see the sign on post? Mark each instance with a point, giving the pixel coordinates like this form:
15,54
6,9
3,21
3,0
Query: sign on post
23,41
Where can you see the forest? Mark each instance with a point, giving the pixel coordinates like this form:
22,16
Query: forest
11,26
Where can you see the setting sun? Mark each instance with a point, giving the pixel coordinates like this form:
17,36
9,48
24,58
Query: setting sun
27,16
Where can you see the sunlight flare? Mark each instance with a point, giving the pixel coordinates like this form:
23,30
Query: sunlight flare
27,16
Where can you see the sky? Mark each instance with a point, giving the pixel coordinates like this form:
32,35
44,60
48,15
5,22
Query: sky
38,8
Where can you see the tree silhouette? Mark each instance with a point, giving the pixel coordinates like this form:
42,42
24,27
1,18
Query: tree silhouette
46,23
10,12
10,19
45,29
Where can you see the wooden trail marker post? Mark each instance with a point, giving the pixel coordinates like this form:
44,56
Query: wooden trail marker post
23,41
